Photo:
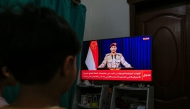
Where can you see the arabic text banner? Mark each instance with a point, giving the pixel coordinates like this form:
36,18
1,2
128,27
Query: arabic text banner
123,75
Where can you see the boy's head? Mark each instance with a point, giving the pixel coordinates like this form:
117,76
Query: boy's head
41,44
5,27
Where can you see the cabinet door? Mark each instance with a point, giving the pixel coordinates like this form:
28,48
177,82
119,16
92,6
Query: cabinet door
169,57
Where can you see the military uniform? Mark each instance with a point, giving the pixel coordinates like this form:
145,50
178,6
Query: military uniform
113,61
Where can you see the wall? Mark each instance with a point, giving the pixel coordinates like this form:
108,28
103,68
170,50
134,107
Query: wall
106,19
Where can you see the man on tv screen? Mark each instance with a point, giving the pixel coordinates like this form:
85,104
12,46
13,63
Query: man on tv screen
114,59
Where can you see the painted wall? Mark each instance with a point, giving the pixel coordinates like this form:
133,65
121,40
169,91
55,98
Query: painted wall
106,19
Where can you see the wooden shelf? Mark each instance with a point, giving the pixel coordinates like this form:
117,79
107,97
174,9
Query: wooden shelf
141,96
100,91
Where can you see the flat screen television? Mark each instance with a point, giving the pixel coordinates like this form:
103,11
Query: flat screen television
117,59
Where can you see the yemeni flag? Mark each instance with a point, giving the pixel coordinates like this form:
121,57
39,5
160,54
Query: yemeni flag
92,56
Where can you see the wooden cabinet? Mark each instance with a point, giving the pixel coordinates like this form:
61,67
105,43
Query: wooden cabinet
169,23
143,97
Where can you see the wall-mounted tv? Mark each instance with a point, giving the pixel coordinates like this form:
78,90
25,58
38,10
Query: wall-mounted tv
117,59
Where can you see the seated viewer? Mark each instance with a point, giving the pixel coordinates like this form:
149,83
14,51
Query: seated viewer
41,56
6,79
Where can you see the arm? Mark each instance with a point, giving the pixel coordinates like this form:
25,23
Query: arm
125,63
103,63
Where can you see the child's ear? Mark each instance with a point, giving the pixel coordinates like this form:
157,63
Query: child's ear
5,71
67,73
69,65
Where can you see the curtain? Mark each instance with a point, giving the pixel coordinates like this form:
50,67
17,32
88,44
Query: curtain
75,15
77,21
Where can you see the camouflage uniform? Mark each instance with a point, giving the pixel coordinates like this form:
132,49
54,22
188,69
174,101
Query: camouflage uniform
113,61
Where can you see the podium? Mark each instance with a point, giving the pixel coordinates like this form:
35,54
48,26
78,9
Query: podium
123,68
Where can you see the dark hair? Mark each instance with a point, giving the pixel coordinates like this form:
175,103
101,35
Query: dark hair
1,66
6,21
40,41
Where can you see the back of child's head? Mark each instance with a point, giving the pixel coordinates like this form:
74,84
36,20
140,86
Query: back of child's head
40,41
6,22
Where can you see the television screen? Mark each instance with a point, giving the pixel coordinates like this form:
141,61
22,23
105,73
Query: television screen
122,59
